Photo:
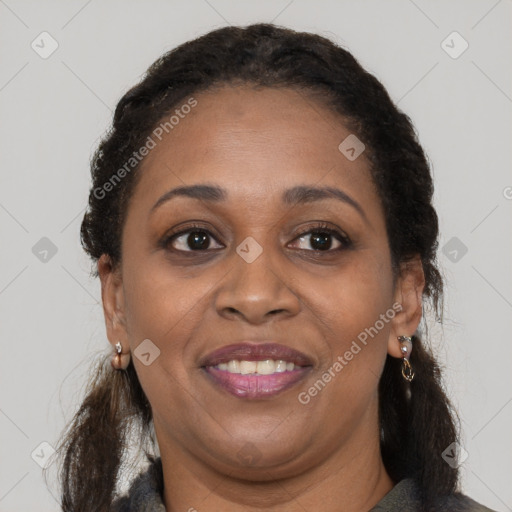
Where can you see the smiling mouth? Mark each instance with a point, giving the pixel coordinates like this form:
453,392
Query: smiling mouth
256,379
255,370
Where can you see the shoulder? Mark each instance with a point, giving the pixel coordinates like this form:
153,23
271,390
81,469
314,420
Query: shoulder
460,502
404,497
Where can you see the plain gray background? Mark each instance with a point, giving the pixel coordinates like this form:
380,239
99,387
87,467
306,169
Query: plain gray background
54,109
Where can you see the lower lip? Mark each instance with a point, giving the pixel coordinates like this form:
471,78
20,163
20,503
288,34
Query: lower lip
255,386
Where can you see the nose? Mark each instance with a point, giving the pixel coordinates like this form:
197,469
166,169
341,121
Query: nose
256,292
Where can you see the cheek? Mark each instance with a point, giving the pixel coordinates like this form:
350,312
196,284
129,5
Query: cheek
345,389
161,306
166,310
352,297
354,311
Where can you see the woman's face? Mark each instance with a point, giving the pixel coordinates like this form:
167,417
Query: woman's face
243,264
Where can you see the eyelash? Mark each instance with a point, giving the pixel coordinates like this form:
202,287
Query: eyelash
321,228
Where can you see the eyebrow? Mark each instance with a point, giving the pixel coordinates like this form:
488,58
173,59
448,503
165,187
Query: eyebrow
293,196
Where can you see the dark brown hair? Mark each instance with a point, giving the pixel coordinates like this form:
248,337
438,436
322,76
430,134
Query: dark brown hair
414,432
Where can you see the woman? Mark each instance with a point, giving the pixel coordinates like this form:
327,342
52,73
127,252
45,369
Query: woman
261,218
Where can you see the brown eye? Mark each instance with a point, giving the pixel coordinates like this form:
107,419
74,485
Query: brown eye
193,240
322,240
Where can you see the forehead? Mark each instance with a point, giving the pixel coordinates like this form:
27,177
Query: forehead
255,142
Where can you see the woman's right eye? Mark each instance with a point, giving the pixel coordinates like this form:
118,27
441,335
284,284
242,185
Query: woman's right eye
192,240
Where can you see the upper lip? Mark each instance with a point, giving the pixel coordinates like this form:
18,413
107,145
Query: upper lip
255,352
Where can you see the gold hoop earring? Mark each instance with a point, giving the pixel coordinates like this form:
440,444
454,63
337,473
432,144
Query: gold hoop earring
119,360
406,349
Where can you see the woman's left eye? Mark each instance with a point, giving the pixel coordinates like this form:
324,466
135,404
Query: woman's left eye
322,240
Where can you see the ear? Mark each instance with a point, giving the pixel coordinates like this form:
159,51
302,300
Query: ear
409,293
112,296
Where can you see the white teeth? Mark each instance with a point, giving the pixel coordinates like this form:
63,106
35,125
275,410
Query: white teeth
266,367
280,366
233,367
248,367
